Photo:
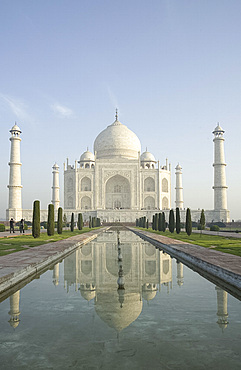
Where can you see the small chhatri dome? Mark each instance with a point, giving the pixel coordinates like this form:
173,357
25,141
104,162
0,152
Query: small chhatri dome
178,167
55,166
218,129
147,157
15,128
87,156
117,141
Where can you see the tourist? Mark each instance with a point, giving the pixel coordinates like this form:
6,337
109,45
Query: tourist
21,226
12,226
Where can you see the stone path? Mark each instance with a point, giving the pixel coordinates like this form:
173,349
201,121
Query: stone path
225,234
18,266
217,265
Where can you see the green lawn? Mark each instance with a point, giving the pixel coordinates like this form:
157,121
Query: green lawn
219,243
18,243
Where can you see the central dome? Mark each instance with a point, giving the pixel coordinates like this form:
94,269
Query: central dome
117,141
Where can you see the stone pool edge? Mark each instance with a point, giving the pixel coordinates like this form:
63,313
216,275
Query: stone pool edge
230,280
21,273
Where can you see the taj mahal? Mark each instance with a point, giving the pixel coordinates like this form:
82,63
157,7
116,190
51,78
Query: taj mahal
117,181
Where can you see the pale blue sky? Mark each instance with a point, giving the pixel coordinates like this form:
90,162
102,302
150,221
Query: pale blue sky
172,67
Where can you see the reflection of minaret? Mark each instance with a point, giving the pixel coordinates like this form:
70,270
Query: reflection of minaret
179,273
222,307
14,309
56,274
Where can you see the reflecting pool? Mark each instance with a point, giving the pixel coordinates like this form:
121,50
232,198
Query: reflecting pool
123,305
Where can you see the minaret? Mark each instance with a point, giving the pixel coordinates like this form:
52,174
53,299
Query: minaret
220,188
14,309
179,188
55,187
222,307
15,188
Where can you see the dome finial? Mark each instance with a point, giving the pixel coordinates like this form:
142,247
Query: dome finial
116,114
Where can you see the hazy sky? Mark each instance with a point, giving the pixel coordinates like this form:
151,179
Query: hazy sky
172,67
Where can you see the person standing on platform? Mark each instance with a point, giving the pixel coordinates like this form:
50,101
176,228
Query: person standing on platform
12,226
21,226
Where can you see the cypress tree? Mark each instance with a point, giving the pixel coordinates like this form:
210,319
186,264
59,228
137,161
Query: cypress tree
90,223
147,224
36,219
153,222
72,222
50,222
144,222
178,222
65,220
80,221
60,221
202,220
156,221
163,222
137,222
188,222
160,222
171,221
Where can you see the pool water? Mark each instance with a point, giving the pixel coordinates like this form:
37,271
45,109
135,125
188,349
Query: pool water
131,307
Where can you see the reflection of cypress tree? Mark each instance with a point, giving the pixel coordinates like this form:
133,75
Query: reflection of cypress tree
171,221
188,222
160,222
50,223
163,222
153,222
72,222
60,221
36,219
178,222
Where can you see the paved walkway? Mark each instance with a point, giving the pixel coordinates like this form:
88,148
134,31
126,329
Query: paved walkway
225,234
18,266
6,234
218,266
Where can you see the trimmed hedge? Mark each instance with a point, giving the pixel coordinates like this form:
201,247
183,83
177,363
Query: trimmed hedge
214,228
2,227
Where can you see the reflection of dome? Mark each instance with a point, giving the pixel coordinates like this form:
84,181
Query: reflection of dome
117,141
149,291
148,295
108,308
14,322
87,156
88,294
147,157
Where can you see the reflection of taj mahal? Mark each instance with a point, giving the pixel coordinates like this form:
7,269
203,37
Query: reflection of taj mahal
94,269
